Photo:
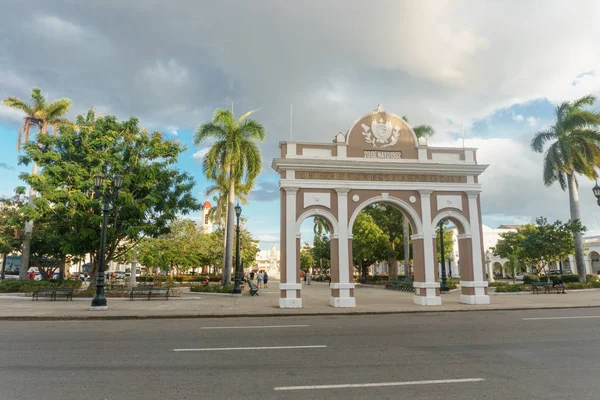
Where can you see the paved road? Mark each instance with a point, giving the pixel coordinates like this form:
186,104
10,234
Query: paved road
476,355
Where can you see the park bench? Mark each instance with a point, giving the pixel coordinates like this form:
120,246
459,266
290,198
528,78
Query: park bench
253,288
535,287
66,292
148,292
404,285
44,292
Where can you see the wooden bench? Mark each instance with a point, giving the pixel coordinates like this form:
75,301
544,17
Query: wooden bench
400,286
149,292
44,292
535,287
253,288
66,292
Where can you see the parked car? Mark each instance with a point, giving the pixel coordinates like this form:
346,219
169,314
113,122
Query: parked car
519,276
557,271
120,274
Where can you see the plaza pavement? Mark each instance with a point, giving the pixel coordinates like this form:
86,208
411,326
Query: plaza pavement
369,300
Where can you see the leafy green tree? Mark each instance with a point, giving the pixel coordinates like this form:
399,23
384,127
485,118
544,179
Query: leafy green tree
219,191
539,244
39,114
322,252
11,225
307,260
153,194
448,244
369,243
575,150
234,157
390,220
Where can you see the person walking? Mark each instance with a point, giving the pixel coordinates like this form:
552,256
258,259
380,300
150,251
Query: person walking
259,280
304,277
308,278
265,278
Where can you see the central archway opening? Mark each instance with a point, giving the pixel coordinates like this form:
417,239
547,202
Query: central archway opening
315,250
381,245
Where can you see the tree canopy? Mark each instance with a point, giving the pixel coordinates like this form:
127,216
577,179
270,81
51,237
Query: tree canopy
154,192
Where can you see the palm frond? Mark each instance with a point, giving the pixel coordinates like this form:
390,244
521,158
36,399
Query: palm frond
424,131
208,131
541,137
588,100
553,165
18,104
57,109
38,100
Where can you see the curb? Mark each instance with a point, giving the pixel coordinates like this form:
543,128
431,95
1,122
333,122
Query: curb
266,315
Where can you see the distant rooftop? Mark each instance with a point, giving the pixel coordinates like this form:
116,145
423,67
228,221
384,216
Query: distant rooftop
509,227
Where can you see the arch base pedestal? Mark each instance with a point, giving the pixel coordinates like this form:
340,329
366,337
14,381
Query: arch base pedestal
474,292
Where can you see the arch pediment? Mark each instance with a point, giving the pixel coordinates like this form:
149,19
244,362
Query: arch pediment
380,134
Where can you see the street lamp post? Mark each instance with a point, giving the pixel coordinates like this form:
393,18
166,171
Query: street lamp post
444,285
237,290
596,191
99,301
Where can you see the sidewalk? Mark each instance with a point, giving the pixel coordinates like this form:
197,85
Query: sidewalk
369,300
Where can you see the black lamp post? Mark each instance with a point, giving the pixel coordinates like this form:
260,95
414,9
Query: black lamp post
596,190
99,301
444,285
238,273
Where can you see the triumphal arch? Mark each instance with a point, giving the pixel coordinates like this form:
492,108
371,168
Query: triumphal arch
380,159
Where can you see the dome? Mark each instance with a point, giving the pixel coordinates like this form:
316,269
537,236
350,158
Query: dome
207,204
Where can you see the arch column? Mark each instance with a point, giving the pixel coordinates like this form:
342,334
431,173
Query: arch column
290,289
427,289
473,286
342,284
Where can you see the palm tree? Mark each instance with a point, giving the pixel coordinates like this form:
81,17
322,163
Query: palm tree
320,226
39,114
425,131
234,158
219,191
576,150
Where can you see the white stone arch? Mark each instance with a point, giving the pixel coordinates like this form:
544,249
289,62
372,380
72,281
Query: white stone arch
321,213
402,121
404,206
452,215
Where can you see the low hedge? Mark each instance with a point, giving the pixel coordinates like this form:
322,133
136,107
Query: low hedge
212,288
13,285
510,288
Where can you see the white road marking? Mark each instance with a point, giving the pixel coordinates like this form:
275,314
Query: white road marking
574,317
254,327
253,348
363,385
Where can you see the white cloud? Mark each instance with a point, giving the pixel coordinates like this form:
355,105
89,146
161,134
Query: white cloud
199,155
518,118
55,26
269,238
532,121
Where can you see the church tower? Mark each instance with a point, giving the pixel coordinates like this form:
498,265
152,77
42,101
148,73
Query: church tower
206,223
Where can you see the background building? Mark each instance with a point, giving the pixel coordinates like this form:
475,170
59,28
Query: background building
268,261
206,223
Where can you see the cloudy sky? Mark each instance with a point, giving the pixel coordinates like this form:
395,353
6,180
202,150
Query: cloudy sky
499,66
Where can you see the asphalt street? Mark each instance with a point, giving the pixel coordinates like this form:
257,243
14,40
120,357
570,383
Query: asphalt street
537,354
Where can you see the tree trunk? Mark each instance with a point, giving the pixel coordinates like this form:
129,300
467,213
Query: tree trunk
406,239
230,229
575,215
393,265
3,265
61,269
28,229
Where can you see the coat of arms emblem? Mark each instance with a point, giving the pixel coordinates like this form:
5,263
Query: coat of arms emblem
381,133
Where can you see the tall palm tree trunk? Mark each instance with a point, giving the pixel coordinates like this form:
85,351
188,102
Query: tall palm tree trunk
25,255
225,248
230,229
406,239
575,215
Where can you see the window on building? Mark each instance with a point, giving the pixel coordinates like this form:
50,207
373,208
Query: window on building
206,219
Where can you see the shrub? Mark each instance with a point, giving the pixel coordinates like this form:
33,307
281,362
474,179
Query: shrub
527,279
452,283
570,278
12,286
497,283
212,288
591,278
510,288
595,284
216,278
575,285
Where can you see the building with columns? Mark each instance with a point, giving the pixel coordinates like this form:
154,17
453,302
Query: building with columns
380,160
